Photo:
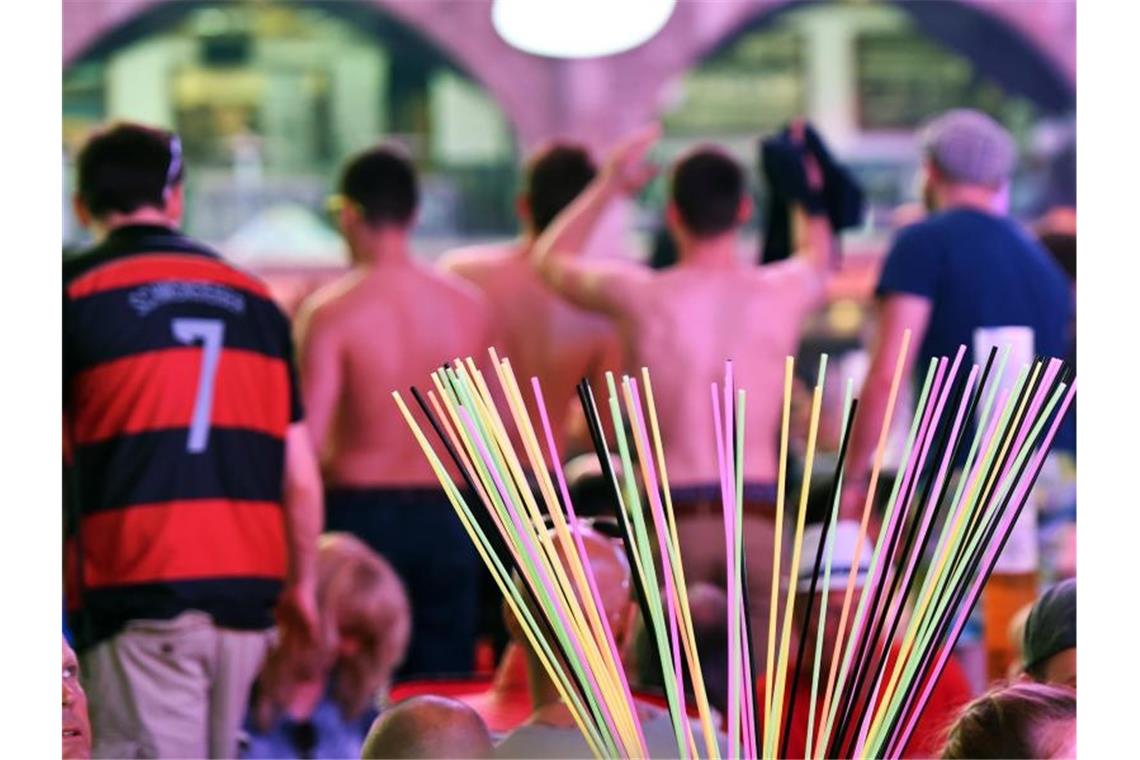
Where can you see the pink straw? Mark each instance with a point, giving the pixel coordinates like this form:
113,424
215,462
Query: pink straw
928,515
979,581
733,723
662,542
533,551
556,465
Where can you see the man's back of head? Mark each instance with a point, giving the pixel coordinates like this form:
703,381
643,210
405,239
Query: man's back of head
428,727
707,193
969,159
126,168
553,178
381,184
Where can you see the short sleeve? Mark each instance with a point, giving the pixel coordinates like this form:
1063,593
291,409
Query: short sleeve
912,265
289,356
296,409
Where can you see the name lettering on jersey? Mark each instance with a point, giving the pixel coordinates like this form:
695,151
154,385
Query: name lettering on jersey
151,296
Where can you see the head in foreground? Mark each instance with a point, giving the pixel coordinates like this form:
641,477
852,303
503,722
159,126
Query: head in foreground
76,725
1049,641
363,633
1023,720
428,727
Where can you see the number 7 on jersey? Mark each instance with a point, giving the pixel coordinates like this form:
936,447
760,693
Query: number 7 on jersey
212,334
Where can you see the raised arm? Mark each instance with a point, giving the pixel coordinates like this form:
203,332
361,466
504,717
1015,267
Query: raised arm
812,238
592,285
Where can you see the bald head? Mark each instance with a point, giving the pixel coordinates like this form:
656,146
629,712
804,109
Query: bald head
611,572
428,727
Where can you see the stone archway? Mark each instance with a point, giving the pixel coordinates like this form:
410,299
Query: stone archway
591,100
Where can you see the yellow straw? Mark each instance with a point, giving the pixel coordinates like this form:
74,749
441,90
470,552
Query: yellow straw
508,591
920,611
772,729
880,451
621,710
689,638
774,607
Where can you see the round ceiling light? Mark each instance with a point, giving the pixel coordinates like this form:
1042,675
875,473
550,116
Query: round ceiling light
579,28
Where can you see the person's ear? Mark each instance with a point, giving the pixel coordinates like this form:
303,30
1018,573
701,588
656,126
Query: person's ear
744,210
174,204
348,218
514,630
82,213
624,624
673,222
523,210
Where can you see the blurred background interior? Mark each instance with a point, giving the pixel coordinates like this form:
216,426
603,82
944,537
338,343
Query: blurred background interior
270,96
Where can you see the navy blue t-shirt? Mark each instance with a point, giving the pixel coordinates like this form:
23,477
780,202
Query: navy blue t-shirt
981,273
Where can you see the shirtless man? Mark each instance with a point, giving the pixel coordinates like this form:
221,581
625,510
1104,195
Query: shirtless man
684,322
388,324
541,334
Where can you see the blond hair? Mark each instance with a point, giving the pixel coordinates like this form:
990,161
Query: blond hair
359,599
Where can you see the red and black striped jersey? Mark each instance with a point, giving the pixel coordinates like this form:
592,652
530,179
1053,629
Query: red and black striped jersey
179,386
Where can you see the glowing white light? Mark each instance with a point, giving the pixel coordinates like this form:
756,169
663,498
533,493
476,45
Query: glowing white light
579,28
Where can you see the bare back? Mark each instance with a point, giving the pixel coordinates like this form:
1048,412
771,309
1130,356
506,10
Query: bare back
541,334
374,331
685,322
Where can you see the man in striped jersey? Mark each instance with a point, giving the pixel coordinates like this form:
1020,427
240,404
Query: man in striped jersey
193,497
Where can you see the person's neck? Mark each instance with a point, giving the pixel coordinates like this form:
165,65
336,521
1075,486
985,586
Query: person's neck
711,253
524,245
382,251
142,217
507,678
973,198
546,704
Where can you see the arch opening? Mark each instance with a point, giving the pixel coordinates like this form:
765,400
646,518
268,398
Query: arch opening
271,97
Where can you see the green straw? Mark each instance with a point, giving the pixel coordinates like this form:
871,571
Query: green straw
644,555
507,584
827,549
849,649
549,602
914,656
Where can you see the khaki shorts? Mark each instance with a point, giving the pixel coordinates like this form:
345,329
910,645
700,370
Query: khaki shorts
174,688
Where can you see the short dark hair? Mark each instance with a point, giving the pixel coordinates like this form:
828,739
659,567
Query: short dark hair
707,187
382,182
126,167
553,179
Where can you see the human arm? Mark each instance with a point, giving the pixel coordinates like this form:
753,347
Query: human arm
320,371
304,517
594,286
896,314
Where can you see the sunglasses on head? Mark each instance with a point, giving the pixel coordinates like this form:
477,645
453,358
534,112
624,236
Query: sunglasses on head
175,168
606,526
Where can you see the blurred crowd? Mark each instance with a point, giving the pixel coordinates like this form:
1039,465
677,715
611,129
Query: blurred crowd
260,562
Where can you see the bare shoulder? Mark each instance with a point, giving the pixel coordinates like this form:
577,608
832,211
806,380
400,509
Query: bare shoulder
789,273
328,301
474,260
447,283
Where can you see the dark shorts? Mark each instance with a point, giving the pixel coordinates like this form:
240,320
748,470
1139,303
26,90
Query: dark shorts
418,532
